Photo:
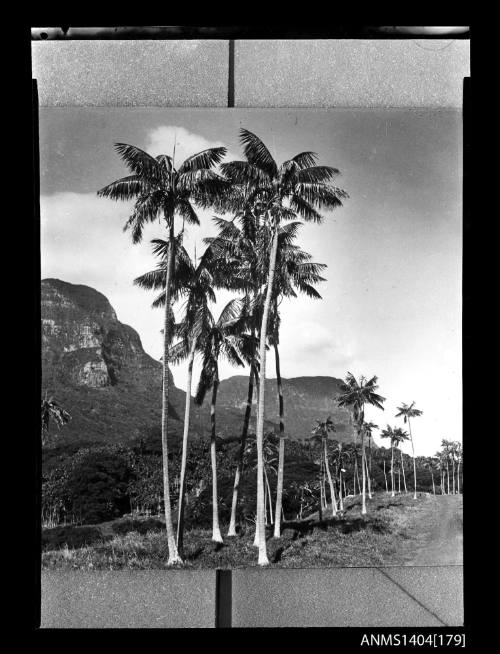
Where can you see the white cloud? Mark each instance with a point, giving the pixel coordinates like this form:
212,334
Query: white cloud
161,140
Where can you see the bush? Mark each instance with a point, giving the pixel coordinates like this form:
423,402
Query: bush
141,526
71,536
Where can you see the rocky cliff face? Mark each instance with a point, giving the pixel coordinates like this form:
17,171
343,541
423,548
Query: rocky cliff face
84,343
97,367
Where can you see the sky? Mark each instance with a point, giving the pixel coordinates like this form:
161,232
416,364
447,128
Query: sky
392,302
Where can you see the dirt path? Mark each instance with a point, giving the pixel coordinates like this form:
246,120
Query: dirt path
444,545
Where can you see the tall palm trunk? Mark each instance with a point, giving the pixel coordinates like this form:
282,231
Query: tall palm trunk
263,560
185,435
265,504
458,476
448,476
357,475
321,500
453,468
433,486
330,481
256,535
341,494
281,454
269,497
385,477
216,535
399,480
239,466
363,470
368,479
403,469
414,463
173,554
392,472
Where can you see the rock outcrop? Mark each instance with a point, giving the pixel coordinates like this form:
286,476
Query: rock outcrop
97,368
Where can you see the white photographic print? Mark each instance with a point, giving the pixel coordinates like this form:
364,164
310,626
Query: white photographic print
251,338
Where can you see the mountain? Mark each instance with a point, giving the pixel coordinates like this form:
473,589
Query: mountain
306,399
96,367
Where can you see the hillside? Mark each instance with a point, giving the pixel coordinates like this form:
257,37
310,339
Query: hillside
97,368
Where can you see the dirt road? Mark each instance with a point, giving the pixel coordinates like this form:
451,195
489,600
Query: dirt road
444,544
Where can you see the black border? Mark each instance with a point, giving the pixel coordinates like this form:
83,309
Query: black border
348,636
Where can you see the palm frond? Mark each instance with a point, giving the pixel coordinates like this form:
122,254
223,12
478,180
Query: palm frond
317,174
305,159
126,188
257,153
139,161
203,160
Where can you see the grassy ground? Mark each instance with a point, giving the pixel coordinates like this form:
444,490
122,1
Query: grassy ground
390,534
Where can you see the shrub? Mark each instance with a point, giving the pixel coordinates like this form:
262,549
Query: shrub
141,526
71,536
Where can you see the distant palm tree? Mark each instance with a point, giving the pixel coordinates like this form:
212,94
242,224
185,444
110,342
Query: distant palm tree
459,456
399,437
429,463
407,412
441,467
162,190
447,449
341,455
369,427
52,411
388,432
218,339
280,193
354,396
320,434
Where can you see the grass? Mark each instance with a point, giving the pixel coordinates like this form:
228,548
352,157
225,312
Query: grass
387,535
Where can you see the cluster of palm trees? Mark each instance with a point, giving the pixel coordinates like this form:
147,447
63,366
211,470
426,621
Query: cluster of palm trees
254,255
449,457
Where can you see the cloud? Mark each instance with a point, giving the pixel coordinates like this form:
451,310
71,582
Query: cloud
161,140
308,346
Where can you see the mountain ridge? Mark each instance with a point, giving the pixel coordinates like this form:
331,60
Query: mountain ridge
97,369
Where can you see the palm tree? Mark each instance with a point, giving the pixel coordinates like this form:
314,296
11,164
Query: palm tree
162,190
195,282
429,463
459,455
399,437
388,432
369,427
340,455
440,468
218,338
52,411
447,447
280,193
408,411
320,434
354,396
294,271
240,249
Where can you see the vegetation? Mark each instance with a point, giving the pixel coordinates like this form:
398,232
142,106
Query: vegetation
52,412
267,500
389,535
